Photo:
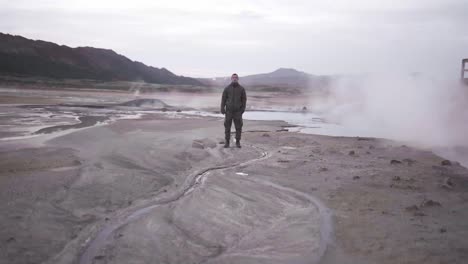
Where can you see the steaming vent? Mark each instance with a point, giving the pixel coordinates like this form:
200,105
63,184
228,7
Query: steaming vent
156,103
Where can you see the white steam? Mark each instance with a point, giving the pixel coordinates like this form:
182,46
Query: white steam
414,109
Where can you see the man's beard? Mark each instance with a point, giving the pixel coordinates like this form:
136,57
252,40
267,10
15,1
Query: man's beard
235,83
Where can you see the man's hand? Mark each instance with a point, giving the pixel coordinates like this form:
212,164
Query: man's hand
223,111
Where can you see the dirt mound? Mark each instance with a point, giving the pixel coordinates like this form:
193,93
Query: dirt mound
145,103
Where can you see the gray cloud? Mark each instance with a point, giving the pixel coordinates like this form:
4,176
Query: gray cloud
210,38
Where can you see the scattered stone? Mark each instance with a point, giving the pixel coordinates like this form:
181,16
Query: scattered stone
221,142
164,109
266,135
430,203
356,178
412,208
11,240
409,161
283,161
419,214
352,153
323,169
371,147
198,145
107,219
164,190
442,230
448,183
446,163
313,189
368,152
395,162
120,235
282,130
178,111
100,257
396,178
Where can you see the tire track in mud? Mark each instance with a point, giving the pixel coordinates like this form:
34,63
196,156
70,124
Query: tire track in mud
97,243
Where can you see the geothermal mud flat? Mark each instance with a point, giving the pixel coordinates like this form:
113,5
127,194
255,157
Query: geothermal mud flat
161,189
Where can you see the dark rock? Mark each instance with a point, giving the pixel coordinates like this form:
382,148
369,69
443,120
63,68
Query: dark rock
198,145
442,230
430,203
446,163
409,161
100,257
419,214
283,161
352,153
323,169
178,111
412,208
266,135
356,178
395,162
107,219
396,178
448,183
11,240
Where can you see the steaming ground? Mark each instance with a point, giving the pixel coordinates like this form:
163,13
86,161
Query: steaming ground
136,185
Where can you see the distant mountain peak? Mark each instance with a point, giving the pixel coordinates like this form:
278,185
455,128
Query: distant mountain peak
25,57
286,70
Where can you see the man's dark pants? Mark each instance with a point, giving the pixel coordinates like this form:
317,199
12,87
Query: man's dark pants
237,118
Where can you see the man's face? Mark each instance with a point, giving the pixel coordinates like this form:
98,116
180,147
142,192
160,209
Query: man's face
234,78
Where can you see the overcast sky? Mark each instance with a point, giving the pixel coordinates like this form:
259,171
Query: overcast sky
207,38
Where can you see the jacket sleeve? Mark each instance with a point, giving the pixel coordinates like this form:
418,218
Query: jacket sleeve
243,100
223,100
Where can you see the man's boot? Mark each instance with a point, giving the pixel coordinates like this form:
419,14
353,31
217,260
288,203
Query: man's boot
238,144
226,144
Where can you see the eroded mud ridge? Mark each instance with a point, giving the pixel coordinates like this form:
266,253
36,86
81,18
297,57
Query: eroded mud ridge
231,218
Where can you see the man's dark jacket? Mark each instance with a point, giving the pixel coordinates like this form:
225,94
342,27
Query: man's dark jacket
234,99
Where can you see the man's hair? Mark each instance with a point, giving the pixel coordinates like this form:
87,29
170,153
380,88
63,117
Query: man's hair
234,74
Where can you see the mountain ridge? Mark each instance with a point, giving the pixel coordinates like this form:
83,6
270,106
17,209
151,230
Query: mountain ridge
26,57
281,77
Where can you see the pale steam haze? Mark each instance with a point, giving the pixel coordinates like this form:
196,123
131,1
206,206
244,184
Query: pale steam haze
215,38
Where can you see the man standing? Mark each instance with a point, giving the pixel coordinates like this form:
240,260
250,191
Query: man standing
233,106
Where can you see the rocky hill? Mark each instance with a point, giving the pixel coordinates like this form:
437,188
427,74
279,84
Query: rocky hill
20,56
283,77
